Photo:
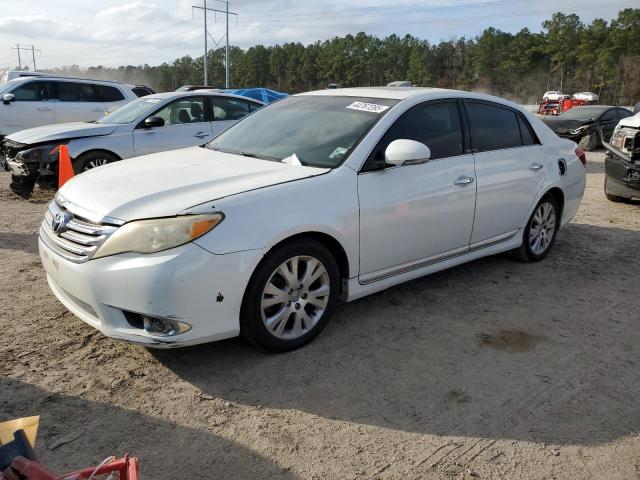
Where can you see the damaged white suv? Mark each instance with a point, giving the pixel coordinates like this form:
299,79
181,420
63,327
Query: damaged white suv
321,196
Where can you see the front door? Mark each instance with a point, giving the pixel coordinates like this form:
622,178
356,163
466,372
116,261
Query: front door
186,124
414,215
33,107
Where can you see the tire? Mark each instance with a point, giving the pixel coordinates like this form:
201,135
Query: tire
278,316
22,185
589,142
611,197
90,160
530,250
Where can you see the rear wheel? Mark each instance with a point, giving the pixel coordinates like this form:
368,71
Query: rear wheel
90,160
540,232
290,296
589,142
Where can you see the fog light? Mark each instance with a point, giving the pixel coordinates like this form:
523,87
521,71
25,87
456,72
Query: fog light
165,327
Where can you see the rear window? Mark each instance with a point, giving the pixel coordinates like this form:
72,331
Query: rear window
108,94
142,91
493,127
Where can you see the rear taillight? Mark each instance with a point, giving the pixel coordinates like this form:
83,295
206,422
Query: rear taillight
582,156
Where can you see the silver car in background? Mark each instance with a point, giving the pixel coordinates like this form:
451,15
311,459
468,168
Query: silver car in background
158,122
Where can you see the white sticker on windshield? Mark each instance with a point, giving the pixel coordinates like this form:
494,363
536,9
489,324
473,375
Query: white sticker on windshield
367,107
151,100
338,152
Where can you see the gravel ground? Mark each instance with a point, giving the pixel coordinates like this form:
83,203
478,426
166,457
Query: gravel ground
494,369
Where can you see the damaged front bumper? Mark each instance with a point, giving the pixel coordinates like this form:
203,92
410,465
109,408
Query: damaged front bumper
187,284
622,163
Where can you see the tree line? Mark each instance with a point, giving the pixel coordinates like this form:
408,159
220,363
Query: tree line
568,55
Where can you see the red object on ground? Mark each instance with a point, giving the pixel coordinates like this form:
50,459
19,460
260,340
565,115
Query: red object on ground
23,469
65,169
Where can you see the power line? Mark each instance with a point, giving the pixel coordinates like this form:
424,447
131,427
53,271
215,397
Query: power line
205,9
27,48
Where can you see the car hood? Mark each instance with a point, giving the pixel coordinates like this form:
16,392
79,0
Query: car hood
61,131
166,183
633,121
559,124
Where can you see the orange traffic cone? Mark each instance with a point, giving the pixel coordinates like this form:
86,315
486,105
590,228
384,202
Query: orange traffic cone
65,169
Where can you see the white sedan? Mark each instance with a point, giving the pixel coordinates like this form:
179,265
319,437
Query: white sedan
323,196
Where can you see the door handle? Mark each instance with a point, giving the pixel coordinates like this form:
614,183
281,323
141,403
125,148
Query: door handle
201,135
535,166
44,109
463,180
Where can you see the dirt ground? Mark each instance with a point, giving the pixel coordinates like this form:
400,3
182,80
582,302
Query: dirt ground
494,369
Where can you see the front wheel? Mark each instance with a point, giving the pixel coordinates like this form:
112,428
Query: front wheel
90,160
290,296
540,232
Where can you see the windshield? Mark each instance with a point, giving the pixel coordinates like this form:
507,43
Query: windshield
317,131
131,111
5,87
583,113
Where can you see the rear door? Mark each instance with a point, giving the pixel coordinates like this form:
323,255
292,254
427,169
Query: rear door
33,107
77,102
225,111
186,124
509,168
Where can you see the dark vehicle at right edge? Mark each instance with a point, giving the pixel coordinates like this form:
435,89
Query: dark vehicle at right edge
622,161
582,124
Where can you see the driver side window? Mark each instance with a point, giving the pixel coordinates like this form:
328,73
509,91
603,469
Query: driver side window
436,124
33,92
186,110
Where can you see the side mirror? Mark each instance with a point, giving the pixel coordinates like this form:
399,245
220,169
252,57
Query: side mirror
8,98
407,152
151,122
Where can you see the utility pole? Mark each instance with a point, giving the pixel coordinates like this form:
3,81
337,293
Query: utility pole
206,33
33,49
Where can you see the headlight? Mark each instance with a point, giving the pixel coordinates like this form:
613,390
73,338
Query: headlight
150,236
41,154
579,130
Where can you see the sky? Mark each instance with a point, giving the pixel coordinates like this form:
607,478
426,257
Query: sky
134,32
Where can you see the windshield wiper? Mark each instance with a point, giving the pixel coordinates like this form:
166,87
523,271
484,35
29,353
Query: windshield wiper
244,154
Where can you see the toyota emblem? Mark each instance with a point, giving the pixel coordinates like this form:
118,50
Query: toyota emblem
59,222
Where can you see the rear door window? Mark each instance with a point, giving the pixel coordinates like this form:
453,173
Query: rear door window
526,132
76,92
436,124
230,108
493,127
108,94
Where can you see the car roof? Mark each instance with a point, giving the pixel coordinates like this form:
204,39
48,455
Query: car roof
402,93
208,93
50,76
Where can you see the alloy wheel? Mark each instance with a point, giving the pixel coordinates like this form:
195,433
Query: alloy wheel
542,229
295,297
94,163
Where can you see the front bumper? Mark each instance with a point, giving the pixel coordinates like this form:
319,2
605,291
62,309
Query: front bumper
186,283
623,176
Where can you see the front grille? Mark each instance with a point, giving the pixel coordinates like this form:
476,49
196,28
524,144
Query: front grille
80,238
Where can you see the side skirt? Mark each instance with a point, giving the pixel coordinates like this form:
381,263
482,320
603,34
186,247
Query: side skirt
383,279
